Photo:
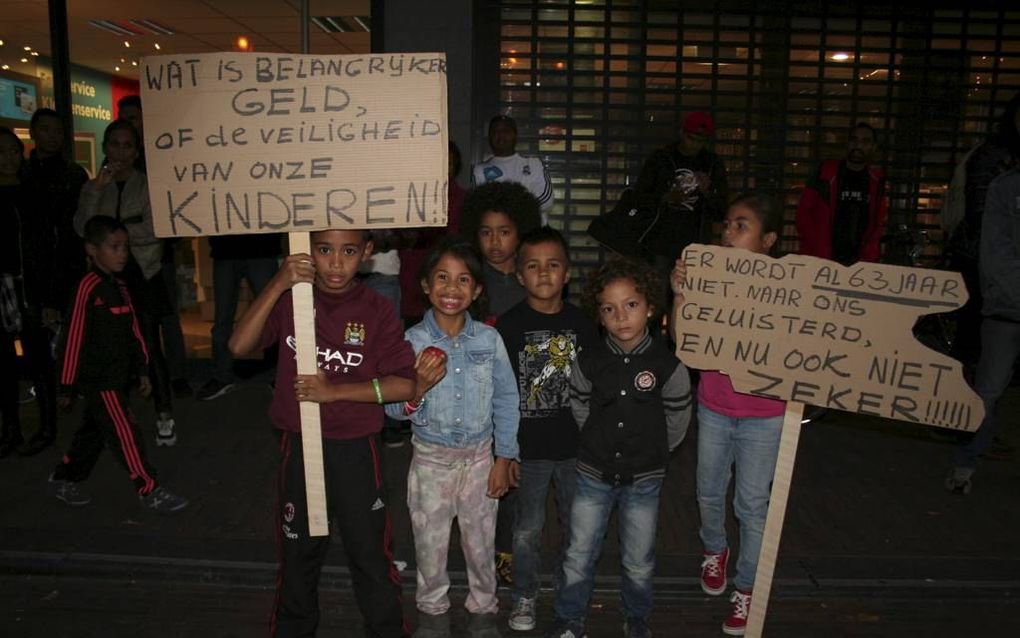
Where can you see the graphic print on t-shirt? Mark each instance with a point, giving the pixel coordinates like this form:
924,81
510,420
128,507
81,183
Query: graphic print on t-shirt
330,360
685,182
544,377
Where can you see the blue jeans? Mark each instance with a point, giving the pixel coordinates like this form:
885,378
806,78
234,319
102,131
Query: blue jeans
638,519
750,447
1000,346
227,276
529,520
170,324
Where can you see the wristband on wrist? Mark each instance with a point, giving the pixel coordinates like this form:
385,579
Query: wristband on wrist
378,391
411,406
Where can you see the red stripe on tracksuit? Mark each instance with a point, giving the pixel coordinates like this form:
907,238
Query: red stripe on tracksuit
134,320
278,536
394,574
76,328
128,445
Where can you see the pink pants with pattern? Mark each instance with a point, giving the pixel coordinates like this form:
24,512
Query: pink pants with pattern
442,484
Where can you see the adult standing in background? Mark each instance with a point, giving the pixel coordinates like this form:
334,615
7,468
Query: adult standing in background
684,183
506,165
842,210
129,108
235,257
52,184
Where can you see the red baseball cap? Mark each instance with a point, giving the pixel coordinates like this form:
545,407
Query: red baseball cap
699,123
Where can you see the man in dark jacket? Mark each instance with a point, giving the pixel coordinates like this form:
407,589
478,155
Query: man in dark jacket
52,184
684,183
999,153
842,210
1000,330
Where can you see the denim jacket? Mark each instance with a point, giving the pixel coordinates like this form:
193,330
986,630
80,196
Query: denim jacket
476,400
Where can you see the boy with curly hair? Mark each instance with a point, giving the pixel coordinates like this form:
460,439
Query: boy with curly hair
631,397
496,216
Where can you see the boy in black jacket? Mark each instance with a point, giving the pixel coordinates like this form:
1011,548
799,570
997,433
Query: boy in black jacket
102,354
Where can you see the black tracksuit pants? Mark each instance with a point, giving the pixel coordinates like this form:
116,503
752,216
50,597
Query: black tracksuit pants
357,510
107,420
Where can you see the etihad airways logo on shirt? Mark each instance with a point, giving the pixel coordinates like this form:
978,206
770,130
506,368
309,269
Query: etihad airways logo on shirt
331,360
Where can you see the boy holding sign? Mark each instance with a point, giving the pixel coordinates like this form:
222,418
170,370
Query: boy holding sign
737,433
363,362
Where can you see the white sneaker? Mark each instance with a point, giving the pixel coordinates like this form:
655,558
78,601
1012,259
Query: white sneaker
165,434
522,618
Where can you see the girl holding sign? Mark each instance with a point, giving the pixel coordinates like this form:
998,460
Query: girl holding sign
738,434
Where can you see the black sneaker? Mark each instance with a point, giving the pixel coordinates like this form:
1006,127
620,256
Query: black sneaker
213,389
69,492
164,501
181,388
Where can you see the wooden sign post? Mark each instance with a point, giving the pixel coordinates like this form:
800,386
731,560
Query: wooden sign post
240,143
811,331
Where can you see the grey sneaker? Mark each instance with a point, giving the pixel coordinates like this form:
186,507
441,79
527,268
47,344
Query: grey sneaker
636,628
566,629
522,617
69,492
164,501
165,434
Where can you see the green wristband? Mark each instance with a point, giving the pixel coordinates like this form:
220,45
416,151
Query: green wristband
378,391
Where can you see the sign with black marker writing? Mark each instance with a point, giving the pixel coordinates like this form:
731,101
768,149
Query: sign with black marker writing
810,330
239,143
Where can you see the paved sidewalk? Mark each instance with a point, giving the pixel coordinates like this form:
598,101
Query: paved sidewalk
873,546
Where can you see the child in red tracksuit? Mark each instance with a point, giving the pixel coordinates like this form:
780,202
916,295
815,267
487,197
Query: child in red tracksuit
103,354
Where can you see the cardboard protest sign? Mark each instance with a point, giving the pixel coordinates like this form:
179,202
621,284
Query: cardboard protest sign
239,143
809,330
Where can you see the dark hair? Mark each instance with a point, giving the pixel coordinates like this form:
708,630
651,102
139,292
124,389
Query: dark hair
646,280
455,152
464,251
503,197
41,113
768,211
122,125
366,235
100,227
496,119
17,140
541,236
862,124
129,100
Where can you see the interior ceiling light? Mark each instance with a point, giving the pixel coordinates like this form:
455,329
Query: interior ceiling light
127,45
156,44
342,24
28,48
114,27
35,53
153,27
840,57
5,67
24,59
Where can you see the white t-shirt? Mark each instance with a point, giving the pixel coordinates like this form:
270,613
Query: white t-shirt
387,263
527,171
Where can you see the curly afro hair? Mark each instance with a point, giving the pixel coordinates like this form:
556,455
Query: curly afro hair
505,197
646,280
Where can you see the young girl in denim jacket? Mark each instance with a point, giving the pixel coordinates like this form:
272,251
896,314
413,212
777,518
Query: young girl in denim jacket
466,396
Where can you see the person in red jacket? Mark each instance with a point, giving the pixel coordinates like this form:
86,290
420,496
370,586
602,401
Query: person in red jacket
842,211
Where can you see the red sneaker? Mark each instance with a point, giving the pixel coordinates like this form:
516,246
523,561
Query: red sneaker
737,622
713,572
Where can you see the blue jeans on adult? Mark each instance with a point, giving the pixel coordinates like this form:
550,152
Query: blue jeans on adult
227,276
747,447
529,520
170,324
1000,346
638,518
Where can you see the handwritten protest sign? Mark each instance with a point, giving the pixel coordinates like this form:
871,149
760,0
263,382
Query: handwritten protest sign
809,330
239,143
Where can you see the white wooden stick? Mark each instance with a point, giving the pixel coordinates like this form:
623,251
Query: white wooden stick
311,423
774,521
